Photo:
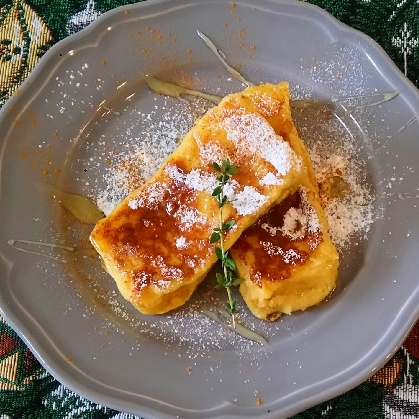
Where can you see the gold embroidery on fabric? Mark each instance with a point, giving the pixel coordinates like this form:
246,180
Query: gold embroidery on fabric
23,36
389,374
8,372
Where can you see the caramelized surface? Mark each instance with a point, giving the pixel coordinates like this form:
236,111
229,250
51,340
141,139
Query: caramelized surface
276,249
156,243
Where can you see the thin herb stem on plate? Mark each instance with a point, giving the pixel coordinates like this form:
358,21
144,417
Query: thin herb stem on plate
227,278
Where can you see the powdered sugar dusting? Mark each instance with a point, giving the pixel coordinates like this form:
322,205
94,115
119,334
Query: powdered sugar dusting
351,212
270,180
248,201
181,243
150,197
272,230
346,219
169,272
210,152
245,202
196,179
135,155
343,72
191,330
267,104
253,133
190,217
295,222
147,151
289,256
299,221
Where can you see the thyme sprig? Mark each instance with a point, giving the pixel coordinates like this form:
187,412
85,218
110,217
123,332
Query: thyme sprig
227,278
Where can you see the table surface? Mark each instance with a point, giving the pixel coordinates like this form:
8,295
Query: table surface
26,389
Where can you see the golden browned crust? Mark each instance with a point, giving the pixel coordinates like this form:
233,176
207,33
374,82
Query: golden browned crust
287,259
156,243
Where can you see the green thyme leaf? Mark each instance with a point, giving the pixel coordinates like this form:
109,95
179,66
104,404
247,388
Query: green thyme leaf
216,166
229,263
237,281
217,190
220,279
218,253
231,306
228,225
215,237
232,170
226,164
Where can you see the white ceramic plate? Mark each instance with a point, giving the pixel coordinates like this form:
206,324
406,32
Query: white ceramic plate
183,365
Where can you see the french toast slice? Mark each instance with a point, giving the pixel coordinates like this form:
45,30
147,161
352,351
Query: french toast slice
287,258
156,242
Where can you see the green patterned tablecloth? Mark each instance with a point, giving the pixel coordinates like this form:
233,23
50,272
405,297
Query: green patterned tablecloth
27,30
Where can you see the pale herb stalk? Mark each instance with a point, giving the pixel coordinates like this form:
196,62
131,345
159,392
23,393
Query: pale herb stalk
230,298
226,279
